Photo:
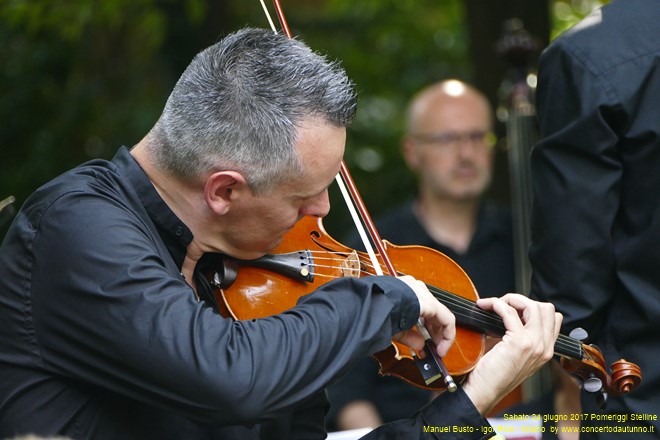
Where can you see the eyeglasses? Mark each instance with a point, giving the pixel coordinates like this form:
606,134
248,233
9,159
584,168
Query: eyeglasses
450,141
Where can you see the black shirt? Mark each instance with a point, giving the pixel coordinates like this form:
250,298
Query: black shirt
102,338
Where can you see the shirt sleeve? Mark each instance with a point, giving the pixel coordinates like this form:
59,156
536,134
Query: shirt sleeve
449,416
577,182
109,310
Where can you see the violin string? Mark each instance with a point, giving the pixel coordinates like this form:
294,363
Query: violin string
459,303
568,345
331,277
485,318
463,307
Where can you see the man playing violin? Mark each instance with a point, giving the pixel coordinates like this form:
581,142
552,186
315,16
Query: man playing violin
110,328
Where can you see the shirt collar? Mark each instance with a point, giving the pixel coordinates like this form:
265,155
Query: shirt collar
174,233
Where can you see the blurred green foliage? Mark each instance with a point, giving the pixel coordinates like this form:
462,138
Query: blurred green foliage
566,13
79,78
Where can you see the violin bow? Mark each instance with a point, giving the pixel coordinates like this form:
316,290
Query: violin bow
431,366
6,209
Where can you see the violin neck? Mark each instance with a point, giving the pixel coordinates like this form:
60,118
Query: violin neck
472,317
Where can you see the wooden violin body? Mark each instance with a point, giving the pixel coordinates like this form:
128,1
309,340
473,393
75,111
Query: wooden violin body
257,292
308,257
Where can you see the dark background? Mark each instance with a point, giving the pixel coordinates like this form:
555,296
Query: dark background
79,78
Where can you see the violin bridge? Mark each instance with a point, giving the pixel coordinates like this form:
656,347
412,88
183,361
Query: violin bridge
350,266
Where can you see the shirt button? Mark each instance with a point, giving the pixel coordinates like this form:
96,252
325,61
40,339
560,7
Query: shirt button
179,231
402,323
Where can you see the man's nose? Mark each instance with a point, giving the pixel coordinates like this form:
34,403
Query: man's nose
319,206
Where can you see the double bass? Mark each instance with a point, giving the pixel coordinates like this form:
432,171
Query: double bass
518,112
518,49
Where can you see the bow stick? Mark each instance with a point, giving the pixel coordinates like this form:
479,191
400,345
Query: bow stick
353,200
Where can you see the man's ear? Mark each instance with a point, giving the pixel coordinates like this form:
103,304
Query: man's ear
220,190
410,153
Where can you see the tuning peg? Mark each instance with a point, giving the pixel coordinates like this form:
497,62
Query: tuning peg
579,333
592,385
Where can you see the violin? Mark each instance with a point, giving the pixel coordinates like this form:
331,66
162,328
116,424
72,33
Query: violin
309,257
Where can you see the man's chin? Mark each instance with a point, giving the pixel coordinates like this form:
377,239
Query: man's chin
257,253
466,196
246,254
275,244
